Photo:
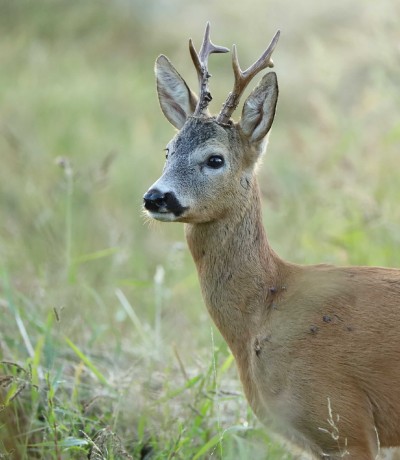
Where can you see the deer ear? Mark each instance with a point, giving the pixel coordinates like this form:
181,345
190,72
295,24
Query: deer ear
176,99
259,109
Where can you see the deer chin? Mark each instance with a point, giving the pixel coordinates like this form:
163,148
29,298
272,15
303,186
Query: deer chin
184,217
165,215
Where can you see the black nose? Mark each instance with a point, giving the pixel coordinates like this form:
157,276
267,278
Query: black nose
154,200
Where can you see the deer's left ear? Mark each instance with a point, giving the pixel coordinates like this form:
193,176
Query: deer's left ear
176,99
259,109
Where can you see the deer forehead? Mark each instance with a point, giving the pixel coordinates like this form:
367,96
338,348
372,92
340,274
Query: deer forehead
200,136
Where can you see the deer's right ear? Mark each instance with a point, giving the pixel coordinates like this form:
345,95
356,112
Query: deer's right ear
176,99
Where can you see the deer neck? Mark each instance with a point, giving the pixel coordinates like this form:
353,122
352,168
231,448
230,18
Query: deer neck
236,268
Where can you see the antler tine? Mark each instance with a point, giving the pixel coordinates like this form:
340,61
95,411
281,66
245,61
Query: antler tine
242,79
208,46
200,62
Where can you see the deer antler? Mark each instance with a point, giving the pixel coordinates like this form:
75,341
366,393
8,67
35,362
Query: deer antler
200,62
242,79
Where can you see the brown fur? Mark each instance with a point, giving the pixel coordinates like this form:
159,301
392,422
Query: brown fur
307,339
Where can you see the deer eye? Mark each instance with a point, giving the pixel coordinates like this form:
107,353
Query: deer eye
215,161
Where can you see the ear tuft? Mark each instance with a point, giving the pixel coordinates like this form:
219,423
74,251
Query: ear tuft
176,99
259,109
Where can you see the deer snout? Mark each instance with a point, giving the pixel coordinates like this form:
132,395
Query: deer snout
154,200
157,201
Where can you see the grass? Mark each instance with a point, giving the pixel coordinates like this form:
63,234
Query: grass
106,348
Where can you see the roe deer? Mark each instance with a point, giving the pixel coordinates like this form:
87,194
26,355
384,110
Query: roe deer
317,347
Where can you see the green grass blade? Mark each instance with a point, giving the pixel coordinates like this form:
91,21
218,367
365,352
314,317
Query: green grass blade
217,439
172,394
88,362
94,255
132,315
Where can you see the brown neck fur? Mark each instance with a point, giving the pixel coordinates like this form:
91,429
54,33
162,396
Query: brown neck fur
237,268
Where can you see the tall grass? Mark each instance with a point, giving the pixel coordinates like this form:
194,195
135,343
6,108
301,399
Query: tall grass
106,348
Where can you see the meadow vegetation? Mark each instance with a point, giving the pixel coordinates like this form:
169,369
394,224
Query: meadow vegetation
106,348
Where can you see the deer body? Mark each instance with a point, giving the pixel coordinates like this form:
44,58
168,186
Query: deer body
317,347
303,334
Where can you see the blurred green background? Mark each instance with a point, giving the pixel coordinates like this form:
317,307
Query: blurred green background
106,346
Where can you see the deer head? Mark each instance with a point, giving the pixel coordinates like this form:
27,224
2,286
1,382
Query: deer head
210,162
